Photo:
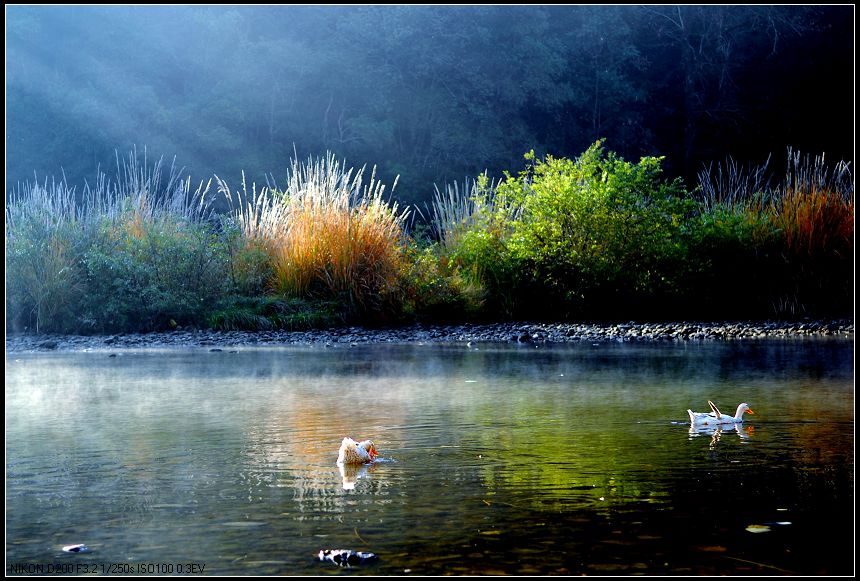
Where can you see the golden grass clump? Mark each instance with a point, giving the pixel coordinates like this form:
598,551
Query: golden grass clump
812,209
816,209
327,235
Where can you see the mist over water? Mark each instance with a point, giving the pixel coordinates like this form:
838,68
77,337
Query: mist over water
494,458
430,93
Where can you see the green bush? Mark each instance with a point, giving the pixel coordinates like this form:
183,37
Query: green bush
144,273
598,236
733,257
432,287
249,260
473,227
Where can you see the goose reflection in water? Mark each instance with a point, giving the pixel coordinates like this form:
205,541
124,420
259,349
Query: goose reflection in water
350,473
716,431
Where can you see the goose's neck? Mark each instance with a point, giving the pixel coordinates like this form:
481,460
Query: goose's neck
739,415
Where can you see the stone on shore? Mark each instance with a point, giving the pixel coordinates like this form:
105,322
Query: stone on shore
530,334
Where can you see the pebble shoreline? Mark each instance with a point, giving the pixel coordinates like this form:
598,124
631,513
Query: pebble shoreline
536,333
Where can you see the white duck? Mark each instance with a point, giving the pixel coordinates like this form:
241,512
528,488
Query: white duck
715,417
352,452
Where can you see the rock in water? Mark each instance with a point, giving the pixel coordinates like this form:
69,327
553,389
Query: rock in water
346,557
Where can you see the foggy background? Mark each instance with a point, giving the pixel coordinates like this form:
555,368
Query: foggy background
433,93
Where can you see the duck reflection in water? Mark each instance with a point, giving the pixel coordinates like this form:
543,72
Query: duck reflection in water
716,431
350,473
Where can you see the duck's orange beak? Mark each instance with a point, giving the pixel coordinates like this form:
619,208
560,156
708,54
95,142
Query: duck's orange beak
373,453
749,411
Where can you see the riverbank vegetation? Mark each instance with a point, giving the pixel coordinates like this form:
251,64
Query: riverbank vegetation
590,238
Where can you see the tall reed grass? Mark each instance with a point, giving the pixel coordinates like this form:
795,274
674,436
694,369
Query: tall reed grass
731,186
797,236
328,233
130,253
815,209
478,205
45,238
454,212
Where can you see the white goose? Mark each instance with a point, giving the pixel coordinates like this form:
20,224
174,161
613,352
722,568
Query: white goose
717,418
352,452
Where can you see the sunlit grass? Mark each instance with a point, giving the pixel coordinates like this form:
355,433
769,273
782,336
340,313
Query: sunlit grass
328,234
797,236
815,208
145,251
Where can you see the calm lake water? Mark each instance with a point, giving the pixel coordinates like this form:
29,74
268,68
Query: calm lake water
495,459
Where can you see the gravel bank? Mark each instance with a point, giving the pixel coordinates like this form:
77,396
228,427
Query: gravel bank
492,333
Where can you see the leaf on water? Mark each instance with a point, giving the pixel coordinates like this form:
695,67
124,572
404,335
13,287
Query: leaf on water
712,549
758,528
358,535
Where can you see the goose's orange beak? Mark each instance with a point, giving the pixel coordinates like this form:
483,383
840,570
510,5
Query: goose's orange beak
749,411
373,453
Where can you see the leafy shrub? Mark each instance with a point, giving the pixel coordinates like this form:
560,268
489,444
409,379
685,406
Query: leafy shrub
473,227
432,287
249,260
142,274
731,261
598,236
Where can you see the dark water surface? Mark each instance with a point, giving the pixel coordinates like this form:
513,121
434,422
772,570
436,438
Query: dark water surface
495,459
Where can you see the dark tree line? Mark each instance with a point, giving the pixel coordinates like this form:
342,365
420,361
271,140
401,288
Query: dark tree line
432,93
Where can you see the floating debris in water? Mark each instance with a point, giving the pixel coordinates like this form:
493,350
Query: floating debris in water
76,548
347,557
